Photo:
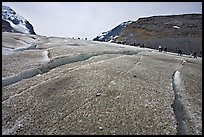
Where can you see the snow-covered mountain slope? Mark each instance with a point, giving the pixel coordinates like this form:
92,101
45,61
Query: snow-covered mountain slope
12,22
112,34
53,85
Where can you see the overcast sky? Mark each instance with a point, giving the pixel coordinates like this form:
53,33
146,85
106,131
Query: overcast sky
89,19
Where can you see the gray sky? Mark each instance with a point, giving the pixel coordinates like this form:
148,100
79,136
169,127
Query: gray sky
88,19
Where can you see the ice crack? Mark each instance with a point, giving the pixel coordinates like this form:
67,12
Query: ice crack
56,63
178,106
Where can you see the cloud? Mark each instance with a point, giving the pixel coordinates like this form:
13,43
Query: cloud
88,19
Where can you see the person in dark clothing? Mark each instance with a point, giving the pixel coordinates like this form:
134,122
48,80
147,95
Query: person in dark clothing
160,49
165,49
141,45
194,55
180,52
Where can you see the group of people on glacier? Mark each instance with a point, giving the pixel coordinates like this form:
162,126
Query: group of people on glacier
180,53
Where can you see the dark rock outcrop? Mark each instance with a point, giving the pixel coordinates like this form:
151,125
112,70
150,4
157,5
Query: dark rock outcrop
7,27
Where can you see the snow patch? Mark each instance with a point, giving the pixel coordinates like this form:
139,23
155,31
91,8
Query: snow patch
115,37
126,23
45,56
176,27
177,79
20,27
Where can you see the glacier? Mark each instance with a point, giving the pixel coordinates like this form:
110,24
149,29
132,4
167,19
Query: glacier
54,85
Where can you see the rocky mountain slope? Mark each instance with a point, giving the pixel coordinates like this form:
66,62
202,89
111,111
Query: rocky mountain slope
112,34
12,22
53,85
174,32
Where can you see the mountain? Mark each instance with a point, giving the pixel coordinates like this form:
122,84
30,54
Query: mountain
12,22
172,31
112,34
